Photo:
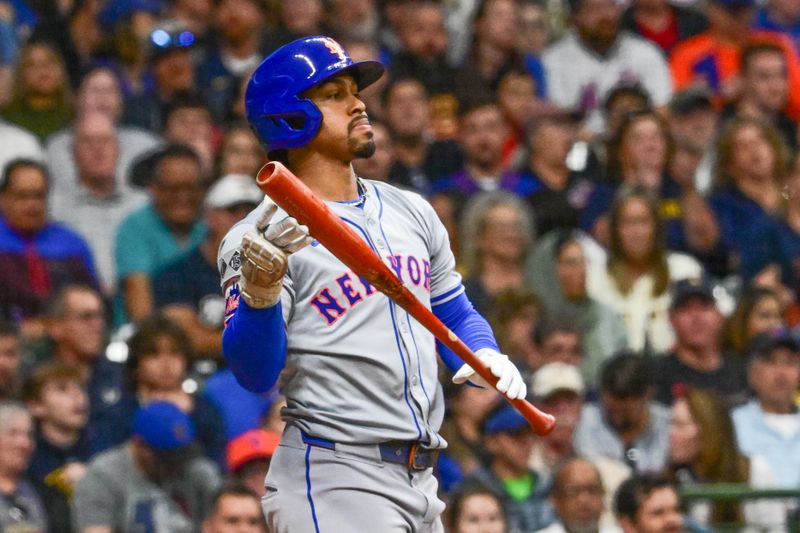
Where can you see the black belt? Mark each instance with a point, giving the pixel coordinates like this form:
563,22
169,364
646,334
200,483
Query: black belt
410,454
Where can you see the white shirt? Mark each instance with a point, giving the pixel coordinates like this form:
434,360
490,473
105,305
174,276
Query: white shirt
16,143
577,77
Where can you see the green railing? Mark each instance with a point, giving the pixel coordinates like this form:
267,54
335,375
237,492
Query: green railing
739,491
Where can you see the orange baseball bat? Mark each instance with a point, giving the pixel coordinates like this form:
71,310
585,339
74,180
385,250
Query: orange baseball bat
286,190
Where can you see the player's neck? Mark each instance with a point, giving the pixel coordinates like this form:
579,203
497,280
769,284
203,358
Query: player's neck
329,179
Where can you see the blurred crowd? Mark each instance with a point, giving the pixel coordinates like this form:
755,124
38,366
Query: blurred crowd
620,180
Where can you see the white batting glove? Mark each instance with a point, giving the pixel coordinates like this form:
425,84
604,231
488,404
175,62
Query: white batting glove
265,256
509,383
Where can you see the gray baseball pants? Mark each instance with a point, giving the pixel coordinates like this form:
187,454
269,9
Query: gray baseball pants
311,489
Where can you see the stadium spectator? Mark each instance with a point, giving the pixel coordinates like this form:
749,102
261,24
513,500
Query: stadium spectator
468,406
20,506
558,388
558,194
697,358
380,164
162,231
187,291
234,509
765,90
577,498
188,121
558,339
712,59
16,143
703,450
57,398
248,457
693,122
169,63
635,280
37,256
157,366
524,493
648,504
497,232
751,164
41,100
595,56
516,97
625,425
354,20
557,270
769,425
476,508
781,17
420,159
758,310
298,18
239,45
94,200
513,317
424,47
239,152
77,327
534,34
664,23
10,361
99,92
154,479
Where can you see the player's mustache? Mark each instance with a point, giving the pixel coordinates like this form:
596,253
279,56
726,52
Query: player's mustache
356,120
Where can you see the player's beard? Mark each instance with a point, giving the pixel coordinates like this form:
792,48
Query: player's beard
362,149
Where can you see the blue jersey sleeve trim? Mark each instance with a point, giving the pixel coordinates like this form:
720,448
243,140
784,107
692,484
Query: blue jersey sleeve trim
437,299
461,317
254,345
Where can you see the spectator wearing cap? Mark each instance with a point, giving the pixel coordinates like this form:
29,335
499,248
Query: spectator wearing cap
712,58
94,200
596,56
154,480
249,456
577,498
693,122
162,231
37,256
21,508
663,23
100,91
765,89
235,509
170,67
626,424
697,358
57,397
509,440
769,424
187,290
558,387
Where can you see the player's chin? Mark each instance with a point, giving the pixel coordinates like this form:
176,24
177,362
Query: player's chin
362,148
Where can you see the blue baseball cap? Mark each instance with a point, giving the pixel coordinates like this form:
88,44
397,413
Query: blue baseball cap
163,426
503,419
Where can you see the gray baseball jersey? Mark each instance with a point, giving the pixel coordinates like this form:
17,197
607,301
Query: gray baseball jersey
359,368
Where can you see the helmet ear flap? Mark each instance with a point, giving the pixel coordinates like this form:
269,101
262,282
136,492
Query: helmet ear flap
293,127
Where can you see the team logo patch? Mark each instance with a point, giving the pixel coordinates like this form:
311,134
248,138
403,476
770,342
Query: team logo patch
231,302
236,260
335,48
223,266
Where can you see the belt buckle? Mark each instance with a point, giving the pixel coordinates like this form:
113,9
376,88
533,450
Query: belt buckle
420,461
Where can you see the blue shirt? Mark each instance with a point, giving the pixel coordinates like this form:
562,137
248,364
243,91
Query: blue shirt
755,437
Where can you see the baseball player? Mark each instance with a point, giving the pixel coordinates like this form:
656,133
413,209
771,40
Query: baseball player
359,374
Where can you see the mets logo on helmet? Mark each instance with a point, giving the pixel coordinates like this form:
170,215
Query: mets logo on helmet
335,48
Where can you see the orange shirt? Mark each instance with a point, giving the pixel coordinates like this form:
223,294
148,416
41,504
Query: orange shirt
704,60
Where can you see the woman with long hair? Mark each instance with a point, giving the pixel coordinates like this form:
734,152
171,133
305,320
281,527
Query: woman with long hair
41,101
497,232
639,271
703,450
475,508
758,310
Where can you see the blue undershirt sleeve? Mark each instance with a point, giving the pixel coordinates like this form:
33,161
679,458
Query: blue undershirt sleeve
461,317
254,345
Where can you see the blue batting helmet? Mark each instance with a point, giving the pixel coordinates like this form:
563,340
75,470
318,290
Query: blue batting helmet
280,117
